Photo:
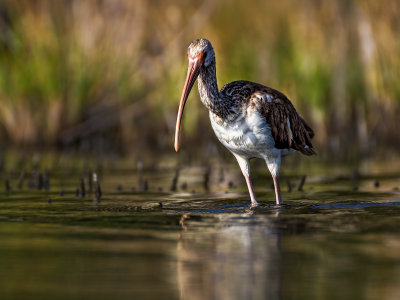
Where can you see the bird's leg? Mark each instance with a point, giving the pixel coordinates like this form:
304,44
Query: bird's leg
278,196
274,165
245,168
251,190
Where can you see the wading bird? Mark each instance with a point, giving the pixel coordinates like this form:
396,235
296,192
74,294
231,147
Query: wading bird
250,119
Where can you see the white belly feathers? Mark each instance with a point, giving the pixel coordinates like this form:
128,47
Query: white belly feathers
248,136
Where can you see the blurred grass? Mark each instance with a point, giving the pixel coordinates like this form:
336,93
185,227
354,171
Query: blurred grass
108,74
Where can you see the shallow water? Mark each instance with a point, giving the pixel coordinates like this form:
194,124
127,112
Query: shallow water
336,239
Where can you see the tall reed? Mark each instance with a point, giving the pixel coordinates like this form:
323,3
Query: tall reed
71,70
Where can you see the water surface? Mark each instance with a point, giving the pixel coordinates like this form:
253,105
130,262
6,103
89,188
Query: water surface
336,239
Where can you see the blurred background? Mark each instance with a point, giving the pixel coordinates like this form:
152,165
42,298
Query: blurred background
106,76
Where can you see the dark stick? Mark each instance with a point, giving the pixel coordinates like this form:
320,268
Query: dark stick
207,178
289,185
174,181
97,188
21,180
302,181
83,190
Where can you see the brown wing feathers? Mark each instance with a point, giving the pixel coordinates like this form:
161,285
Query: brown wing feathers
288,129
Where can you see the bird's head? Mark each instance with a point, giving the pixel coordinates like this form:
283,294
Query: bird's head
200,54
201,49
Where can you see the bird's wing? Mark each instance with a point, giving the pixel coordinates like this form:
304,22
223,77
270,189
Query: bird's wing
288,129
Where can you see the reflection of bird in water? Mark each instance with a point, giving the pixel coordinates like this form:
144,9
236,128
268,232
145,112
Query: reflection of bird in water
251,120
229,256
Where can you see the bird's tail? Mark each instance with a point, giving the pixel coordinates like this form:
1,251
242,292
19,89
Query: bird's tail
308,148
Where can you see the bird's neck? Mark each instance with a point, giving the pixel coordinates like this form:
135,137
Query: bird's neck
208,89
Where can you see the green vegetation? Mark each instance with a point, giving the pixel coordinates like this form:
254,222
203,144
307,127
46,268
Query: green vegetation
76,72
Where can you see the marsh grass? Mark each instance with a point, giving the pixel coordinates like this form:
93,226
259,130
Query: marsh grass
66,65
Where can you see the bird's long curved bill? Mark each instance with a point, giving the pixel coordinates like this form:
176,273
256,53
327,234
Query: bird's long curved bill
192,73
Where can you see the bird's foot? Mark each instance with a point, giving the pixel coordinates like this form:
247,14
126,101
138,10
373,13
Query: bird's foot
254,204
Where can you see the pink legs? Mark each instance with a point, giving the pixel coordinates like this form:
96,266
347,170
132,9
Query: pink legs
273,166
251,190
278,196
245,168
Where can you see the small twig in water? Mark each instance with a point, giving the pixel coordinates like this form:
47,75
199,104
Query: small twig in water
21,180
89,183
184,186
46,181
145,185
97,189
7,186
221,175
82,190
302,181
140,174
231,185
206,182
174,181
39,181
289,186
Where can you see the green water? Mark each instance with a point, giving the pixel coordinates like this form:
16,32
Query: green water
337,239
